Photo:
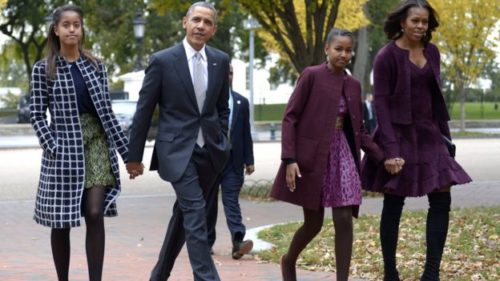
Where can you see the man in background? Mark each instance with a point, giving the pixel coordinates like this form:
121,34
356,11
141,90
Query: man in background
231,180
369,118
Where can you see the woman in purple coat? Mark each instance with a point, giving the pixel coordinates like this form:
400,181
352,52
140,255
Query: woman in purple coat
412,120
322,133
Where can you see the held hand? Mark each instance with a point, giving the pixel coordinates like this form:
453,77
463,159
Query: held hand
292,171
249,169
394,165
134,169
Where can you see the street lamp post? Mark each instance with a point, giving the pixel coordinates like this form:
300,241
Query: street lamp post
251,24
139,28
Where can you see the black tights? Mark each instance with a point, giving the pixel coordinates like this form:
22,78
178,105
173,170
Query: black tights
313,222
436,232
92,207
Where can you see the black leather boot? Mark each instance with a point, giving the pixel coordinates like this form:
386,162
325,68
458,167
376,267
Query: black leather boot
438,219
389,230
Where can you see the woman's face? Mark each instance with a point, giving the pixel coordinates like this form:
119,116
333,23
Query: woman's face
416,24
69,29
339,52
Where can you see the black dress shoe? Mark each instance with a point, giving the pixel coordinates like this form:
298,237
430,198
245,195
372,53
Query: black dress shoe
240,248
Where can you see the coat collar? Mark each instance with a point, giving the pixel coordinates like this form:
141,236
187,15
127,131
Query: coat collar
91,75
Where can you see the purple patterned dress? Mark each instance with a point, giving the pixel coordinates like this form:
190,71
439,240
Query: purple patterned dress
341,184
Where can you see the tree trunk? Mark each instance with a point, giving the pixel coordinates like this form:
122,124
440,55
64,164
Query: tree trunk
462,92
361,62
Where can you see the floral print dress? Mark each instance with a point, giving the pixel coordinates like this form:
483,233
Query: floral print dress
341,183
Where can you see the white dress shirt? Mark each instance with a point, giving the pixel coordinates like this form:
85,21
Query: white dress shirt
190,52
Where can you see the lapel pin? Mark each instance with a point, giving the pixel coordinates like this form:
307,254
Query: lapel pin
238,102
214,64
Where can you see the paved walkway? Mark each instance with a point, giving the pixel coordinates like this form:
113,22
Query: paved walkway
134,238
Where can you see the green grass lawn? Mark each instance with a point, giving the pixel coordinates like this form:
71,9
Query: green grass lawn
476,111
269,112
471,251
7,112
473,111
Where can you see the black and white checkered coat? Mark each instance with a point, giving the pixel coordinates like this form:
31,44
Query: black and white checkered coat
62,176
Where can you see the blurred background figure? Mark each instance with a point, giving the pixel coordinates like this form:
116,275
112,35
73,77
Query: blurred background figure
231,180
369,118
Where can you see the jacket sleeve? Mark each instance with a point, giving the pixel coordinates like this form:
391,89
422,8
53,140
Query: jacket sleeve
109,119
443,124
293,113
247,136
371,149
383,76
223,100
39,102
149,96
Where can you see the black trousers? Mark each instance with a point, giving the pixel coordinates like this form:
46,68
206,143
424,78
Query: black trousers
188,222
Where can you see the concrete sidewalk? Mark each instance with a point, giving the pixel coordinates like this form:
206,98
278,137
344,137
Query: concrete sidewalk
135,236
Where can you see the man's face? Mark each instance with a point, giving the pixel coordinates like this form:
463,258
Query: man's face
200,26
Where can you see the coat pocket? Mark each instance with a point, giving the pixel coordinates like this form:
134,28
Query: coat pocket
306,153
166,136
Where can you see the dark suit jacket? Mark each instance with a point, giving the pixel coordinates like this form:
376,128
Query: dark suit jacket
369,123
241,138
168,83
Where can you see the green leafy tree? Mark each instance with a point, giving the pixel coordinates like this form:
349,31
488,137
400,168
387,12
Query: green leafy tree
108,25
10,100
370,39
297,29
466,41
230,36
492,72
300,40
12,69
109,30
23,22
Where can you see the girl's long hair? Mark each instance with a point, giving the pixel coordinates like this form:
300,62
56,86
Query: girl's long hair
54,44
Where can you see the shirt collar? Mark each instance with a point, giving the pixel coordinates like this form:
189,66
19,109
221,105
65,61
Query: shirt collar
190,51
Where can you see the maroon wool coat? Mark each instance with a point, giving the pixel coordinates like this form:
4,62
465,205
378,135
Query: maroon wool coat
307,129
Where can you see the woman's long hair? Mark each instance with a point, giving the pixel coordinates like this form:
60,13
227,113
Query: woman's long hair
392,24
54,44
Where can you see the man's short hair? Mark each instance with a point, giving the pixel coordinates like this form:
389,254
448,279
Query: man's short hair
204,5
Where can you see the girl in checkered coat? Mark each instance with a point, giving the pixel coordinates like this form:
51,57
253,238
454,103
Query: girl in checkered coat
79,173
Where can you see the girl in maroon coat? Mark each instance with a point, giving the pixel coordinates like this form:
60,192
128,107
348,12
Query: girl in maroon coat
412,120
322,133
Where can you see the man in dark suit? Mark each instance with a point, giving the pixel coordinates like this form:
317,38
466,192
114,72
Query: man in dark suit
369,118
189,82
231,180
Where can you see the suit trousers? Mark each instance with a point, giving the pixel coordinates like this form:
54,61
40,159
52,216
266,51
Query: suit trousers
230,183
188,222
